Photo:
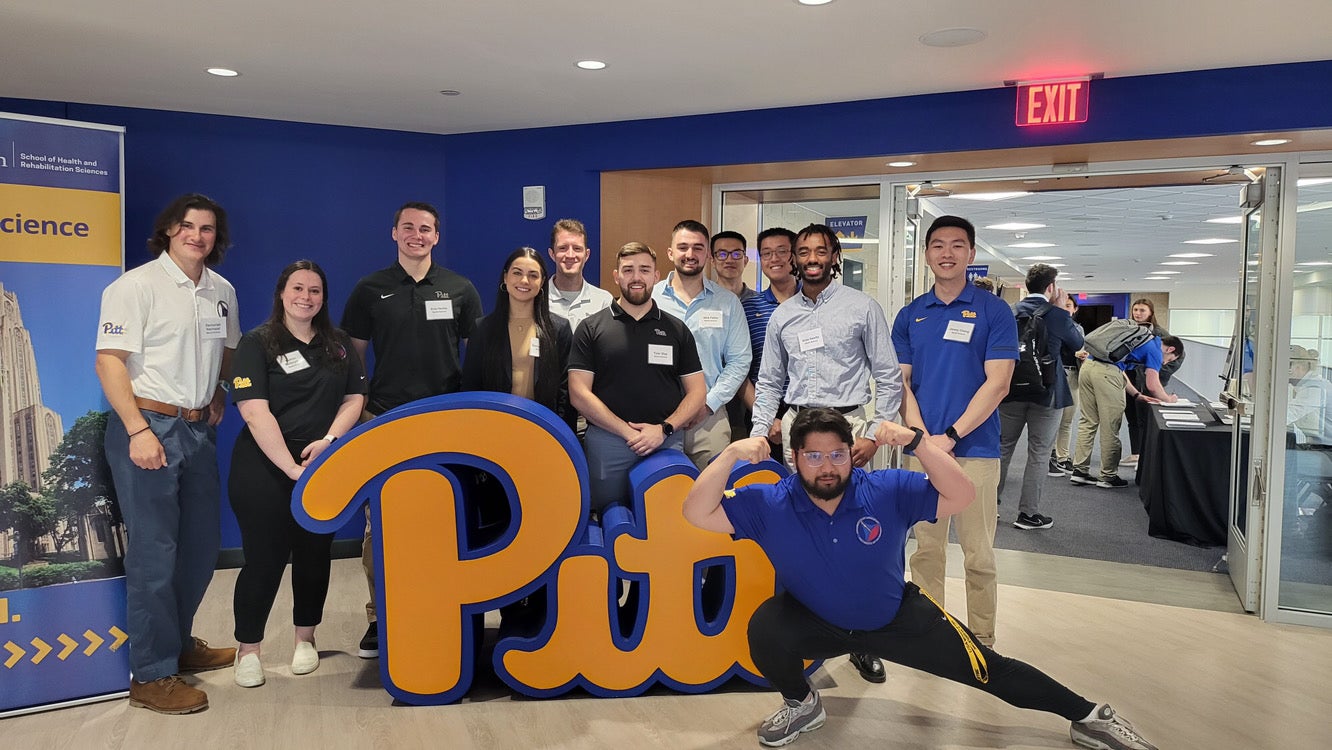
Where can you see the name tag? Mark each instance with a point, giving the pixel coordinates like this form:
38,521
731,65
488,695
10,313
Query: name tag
661,354
811,340
439,309
535,349
292,362
959,331
213,328
710,319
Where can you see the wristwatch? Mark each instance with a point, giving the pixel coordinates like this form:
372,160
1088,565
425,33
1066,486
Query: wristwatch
915,441
951,432
667,429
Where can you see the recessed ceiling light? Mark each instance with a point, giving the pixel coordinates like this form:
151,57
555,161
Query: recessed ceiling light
1154,278
1270,142
991,196
1209,241
814,2
1311,181
1044,257
1180,263
450,92
1032,245
1253,262
1227,220
1056,265
1162,273
901,164
590,64
1315,263
1192,255
959,37
1015,226
223,72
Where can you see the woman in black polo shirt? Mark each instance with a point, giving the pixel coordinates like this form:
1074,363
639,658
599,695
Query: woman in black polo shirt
299,386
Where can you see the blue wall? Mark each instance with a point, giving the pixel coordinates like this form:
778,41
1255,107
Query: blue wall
328,193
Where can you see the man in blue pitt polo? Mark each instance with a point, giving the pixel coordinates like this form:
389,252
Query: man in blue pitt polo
957,345
835,536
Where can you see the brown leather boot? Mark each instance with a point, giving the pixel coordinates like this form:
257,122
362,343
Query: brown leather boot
198,657
169,695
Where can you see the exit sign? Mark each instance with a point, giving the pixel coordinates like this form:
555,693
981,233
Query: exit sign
1056,103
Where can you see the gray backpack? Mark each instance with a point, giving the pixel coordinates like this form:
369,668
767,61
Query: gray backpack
1113,341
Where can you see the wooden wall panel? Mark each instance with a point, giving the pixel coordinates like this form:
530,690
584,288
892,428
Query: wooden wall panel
644,206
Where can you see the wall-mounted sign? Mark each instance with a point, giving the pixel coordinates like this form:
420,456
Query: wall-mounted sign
1056,103
848,230
975,272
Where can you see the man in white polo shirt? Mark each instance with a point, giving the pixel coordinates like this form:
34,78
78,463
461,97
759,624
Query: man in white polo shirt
167,332
571,296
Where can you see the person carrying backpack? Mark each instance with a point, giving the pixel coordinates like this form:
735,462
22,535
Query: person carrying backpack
1112,349
1039,390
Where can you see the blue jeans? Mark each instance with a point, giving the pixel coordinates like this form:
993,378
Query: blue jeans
172,521
609,460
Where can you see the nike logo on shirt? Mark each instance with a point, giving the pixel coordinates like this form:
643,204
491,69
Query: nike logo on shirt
920,319
386,296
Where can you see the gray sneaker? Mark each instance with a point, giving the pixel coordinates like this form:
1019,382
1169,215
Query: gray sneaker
1108,731
794,717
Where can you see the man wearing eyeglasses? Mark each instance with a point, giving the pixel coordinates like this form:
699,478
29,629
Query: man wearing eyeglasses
729,260
717,321
775,246
822,348
835,537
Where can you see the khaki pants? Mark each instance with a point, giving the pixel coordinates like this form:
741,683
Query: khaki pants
1101,389
705,440
859,419
1064,439
975,532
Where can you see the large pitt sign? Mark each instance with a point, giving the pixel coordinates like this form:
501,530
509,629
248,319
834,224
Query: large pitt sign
430,582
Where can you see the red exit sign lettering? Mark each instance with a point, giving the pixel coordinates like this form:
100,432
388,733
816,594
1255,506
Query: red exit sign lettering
1052,103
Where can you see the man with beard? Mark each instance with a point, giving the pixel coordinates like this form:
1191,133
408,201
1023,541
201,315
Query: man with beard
822,348
835,537
634,374
717,321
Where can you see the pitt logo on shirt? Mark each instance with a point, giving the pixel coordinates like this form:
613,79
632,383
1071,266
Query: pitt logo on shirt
968,313
111,329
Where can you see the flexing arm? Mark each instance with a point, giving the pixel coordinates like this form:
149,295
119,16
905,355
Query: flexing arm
702,506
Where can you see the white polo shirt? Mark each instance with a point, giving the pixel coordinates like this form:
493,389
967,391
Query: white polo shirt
577,308
173,330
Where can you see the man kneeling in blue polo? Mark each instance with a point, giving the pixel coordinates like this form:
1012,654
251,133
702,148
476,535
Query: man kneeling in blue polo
836,538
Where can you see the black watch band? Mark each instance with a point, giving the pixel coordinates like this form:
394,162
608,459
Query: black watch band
951,432
915,441
667,429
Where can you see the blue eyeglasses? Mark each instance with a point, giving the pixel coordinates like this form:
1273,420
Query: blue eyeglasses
815,458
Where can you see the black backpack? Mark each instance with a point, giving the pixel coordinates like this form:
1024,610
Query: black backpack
1034,373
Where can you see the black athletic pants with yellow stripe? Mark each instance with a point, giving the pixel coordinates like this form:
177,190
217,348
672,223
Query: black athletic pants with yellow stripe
783,633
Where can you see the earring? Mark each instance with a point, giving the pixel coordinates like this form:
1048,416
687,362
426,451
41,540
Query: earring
503,287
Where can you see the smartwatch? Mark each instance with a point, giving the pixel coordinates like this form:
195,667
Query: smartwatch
951,432
331,439
667,429
915,441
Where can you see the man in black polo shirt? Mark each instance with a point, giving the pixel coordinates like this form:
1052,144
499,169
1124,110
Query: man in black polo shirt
634,373
418,314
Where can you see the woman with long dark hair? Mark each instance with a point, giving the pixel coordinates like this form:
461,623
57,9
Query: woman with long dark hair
299,387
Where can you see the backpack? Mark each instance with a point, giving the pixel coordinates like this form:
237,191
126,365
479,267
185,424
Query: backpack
1034,373
1113,341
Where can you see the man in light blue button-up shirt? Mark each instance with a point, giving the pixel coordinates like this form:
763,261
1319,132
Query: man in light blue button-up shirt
717,320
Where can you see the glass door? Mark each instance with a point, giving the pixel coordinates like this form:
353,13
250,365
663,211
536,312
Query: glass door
1249,388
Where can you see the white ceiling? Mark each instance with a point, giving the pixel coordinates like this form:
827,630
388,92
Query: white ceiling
381,65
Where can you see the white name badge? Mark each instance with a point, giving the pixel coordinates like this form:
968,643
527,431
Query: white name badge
439,309
661,354
959,331
292,362
213,328
811,340
710,319
535,349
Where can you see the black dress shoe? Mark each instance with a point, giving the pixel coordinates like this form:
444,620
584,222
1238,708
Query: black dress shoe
869,667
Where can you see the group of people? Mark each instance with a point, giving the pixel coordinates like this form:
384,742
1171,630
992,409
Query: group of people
809,366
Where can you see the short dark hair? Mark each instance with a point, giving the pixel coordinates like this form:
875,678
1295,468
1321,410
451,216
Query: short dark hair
819,419
418,206
777,232
174,214
1040,277
728,235
1174,343
690,225
572,226
943,222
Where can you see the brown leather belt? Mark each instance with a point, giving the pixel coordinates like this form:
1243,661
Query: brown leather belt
189,415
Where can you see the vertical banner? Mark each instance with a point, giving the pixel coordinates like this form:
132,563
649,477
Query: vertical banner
62,590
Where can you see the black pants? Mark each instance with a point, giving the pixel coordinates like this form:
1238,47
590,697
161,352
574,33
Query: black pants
261,498
1135,411
783,632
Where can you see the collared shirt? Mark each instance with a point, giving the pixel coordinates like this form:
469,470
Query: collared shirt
577,307
717,321
826,351
947,346
303,385
637,365
174,330
1310,409
1063,339
1148,354
758,310
847,567
416,328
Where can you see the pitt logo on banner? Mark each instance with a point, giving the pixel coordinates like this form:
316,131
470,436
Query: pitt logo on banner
431,582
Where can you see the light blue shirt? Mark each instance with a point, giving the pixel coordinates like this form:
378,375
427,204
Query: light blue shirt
831,348
717,321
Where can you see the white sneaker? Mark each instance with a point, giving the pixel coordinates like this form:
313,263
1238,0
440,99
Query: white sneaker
306,658
1108,731
249,672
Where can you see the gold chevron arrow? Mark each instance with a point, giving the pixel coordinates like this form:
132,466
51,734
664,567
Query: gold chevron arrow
120,637
15,653
43,648
94,641
69,645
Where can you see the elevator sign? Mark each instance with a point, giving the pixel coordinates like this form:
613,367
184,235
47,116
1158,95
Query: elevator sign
1052,103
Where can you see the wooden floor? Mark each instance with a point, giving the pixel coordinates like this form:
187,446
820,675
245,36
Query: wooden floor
1187,678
